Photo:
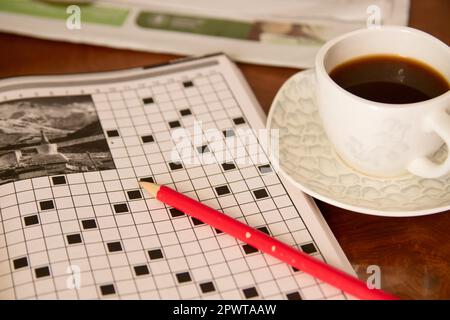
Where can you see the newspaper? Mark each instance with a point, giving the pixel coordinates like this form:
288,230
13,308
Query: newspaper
275,32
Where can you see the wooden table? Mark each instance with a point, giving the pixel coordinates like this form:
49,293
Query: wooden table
413,253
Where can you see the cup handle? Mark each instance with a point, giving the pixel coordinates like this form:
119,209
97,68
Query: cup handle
438,122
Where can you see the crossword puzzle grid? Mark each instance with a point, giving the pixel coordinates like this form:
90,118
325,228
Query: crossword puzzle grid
125,245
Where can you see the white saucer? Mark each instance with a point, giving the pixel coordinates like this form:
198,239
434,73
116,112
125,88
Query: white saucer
307,159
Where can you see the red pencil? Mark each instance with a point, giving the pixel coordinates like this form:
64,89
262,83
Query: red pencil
265,243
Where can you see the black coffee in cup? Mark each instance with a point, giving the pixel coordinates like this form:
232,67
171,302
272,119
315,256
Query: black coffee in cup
390,79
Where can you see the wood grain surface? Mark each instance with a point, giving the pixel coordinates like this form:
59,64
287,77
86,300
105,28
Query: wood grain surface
413,253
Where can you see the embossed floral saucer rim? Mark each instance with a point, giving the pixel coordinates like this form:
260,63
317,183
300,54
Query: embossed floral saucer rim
304,81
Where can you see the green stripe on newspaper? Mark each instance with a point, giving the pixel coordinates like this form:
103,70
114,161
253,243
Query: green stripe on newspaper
90,13
197,25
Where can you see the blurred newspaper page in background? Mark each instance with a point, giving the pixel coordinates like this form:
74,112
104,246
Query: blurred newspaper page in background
275,32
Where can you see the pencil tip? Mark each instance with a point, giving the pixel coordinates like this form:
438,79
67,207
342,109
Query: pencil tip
151,188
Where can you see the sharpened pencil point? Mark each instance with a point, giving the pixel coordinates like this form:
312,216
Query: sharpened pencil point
151,188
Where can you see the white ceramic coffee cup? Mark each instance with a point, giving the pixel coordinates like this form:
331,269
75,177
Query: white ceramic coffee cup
378,138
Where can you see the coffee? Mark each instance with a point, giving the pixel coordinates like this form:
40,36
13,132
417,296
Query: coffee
390,79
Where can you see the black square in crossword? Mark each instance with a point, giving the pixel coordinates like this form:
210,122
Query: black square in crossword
266,168
141,270
238,121
185,112
147,139
293,296
42,272
174,124
120,208
250,292
228,166
183,277
114,246
248,249
31,220
207,287
59,180
112,133
74,238
89,224
148,179
175,165
148,100
188,84
295,269
175,212
46,205
134,194
196,222
155,254
264,229
218,231
260,193
203,149
222,190
308,248
107,289
20,263
228,133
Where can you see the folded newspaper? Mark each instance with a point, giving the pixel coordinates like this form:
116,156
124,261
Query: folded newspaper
276,32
